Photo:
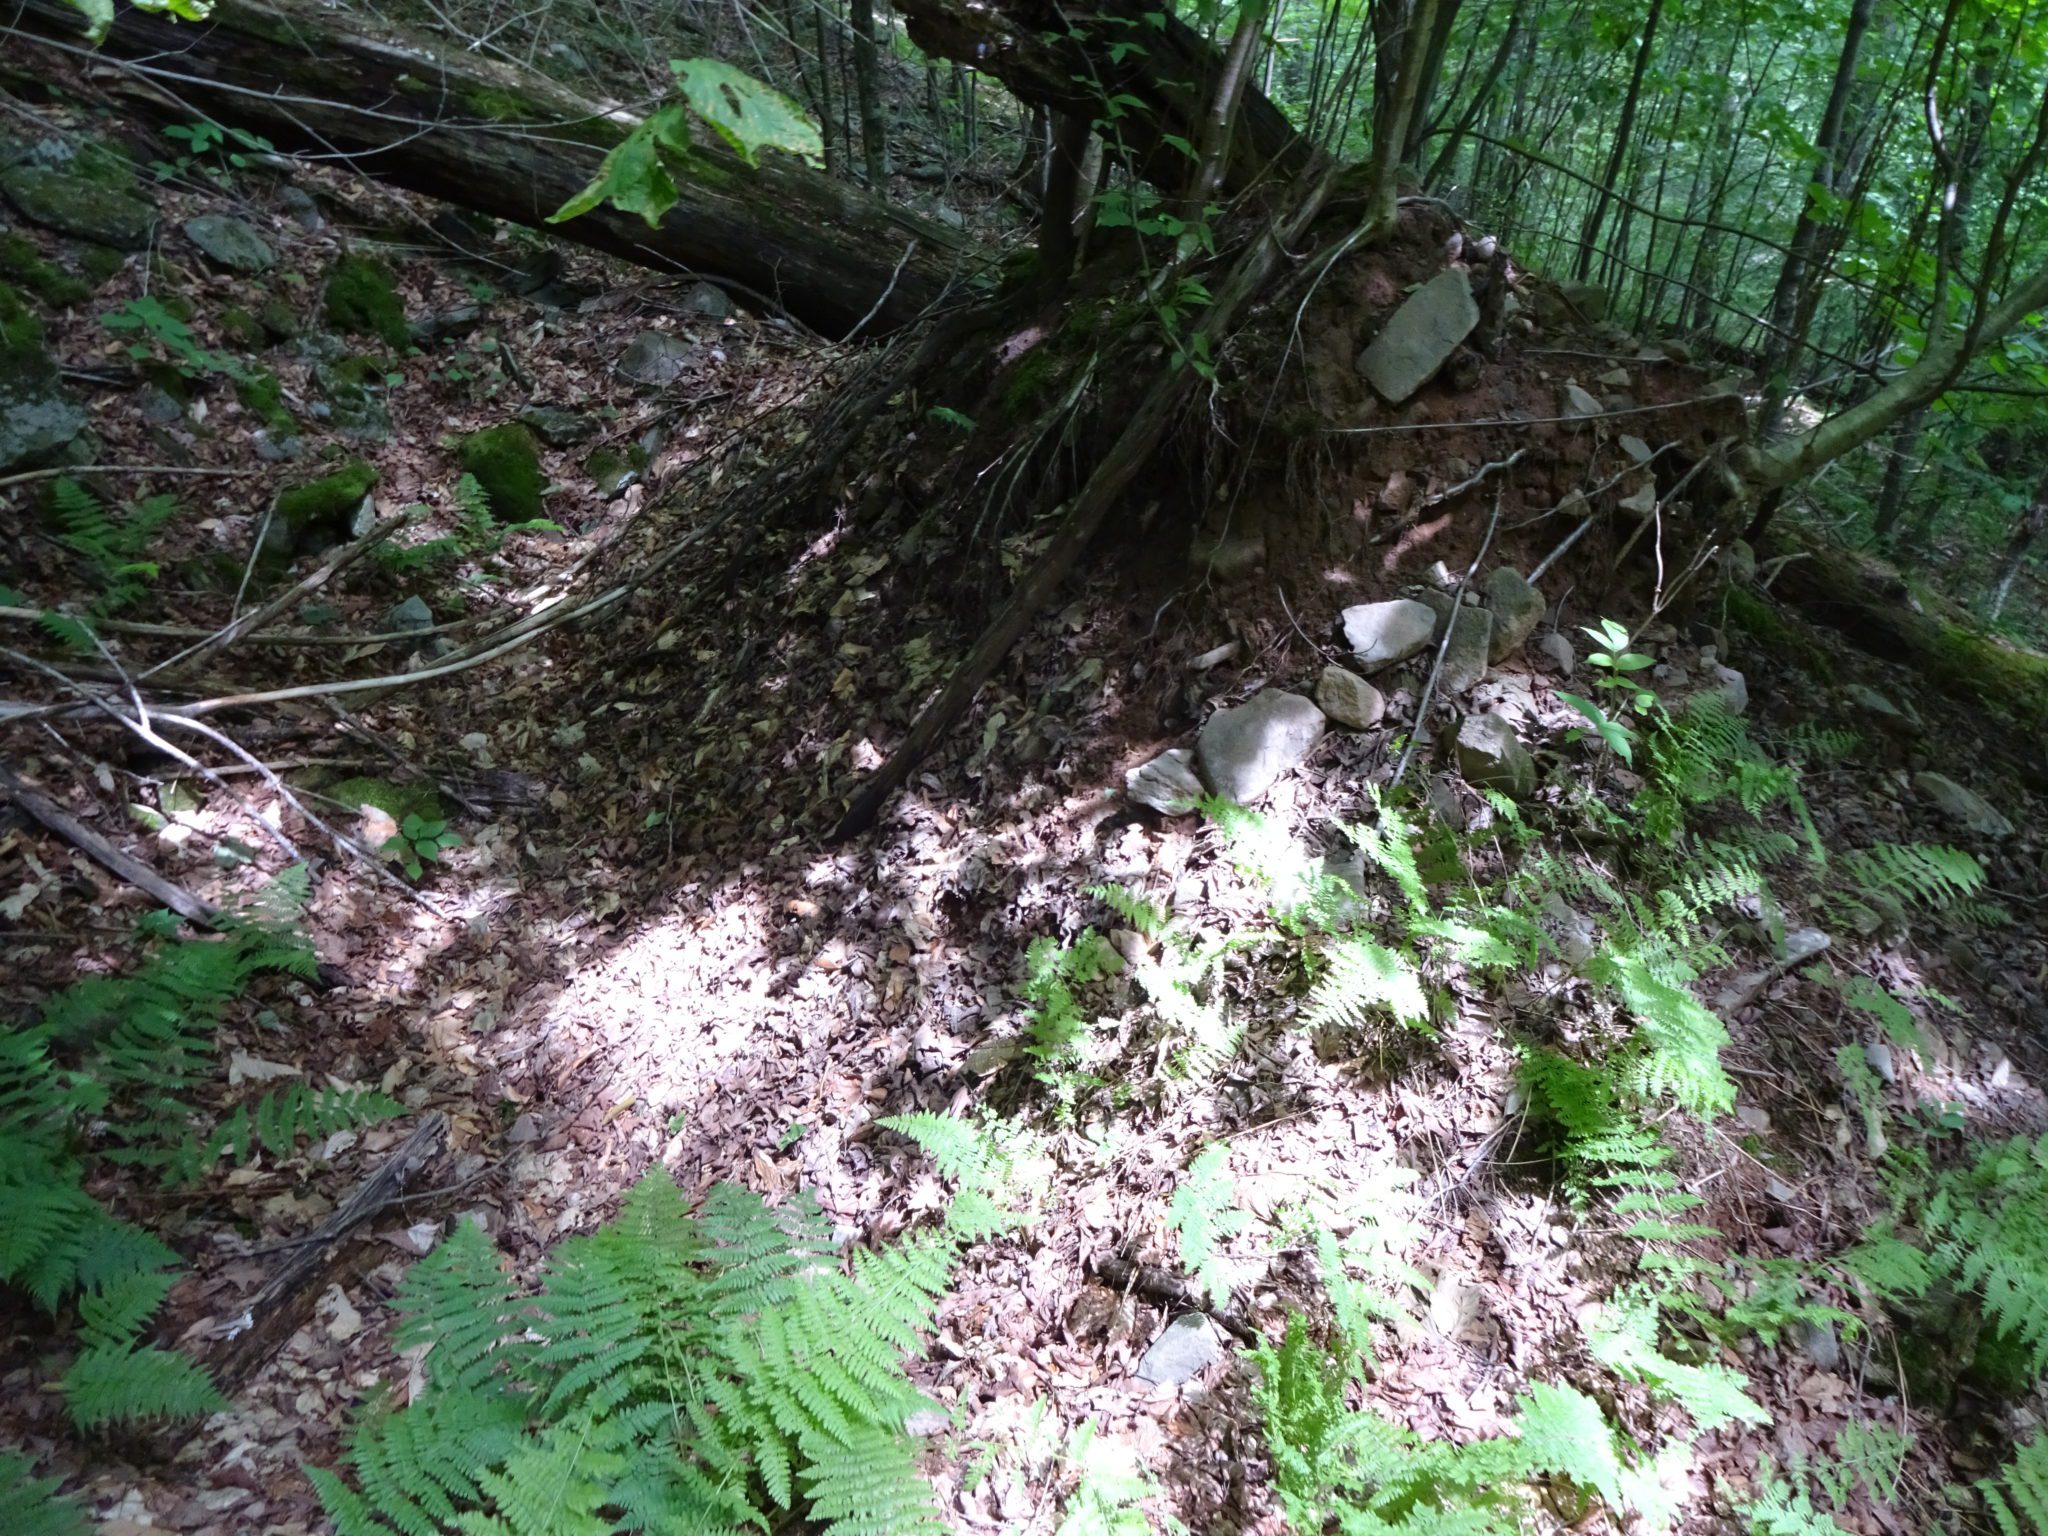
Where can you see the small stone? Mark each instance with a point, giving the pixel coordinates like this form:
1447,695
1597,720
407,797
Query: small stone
411,616
230,243
1491,755
1421,336
1381,634
1244,751
1467,656
556,427
1517,609
525,1130
1637,450
1184,1349
1729,685
1224,559
1615,378
1641,501
1963,806
991,1056
1168,784
1675,352
1878,1057
1554,648
1752,1119
707,299
1868,701
1578,403
1349,699
1818,1343
656,358
159,407
303,210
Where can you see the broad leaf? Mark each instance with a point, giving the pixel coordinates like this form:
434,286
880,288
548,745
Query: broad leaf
748,115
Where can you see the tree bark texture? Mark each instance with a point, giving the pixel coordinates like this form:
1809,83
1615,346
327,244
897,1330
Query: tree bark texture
1165,89
508,143
1589,236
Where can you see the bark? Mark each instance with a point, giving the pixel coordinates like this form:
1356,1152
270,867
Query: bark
1221,120
1056,231
1899,471
874,132
1399,67
2032,523
1589,234
510,144
1164,90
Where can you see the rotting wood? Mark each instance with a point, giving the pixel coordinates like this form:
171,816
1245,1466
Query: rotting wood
509,143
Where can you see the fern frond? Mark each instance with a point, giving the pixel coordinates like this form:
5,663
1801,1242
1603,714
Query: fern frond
1201,1214
2017,1498
869,1486
459,1299
286,1116
1361,976
1148,918
1929,875
108,1385
32,1506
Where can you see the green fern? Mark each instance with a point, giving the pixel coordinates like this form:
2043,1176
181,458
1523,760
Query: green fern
1928,875
1112,1485
1147,917
114,549
32,1506
1783,1506
1204,1219
1989,1229
278,1121
693,1371
1361,977
2017,1498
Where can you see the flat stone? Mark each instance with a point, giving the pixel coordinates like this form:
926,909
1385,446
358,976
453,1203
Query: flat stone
1381,634
230,243
1421,336
1517,609
1867,700
1963,806
1616,378
1244,751
1637,450
1589,300
1349,699
1469,654
556,427
656,358
412,615
1557,650
1491,756
1578,403
36,416
71,205
303,210
1168,784
1184,1349
1642,501
707,299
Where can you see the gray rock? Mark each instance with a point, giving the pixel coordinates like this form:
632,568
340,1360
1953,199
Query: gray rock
1615,378
1421,336
1730,685
159,407
707,299
71,205
1578,403
1637,450
1641,501
1963,806
303,210
1224,559
1184,1349
1381,634
230,242
656,358
1490,755
556,427
1349,699
1244,751
1868,701
36,416
1467,656
1554,648
1878,1056
1818,1343
412,616
1517,609
1589,300
1167,784
352,406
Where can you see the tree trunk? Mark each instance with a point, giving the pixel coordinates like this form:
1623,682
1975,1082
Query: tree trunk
1056,232
874,132
2030,526
1589,234
1164,90
510,144
1899,471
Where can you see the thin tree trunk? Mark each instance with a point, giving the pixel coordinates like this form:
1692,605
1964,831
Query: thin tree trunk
1900,470
2029,527
1589,233
835,142
1446,157
1056,232
874,130
1403,26
1213,151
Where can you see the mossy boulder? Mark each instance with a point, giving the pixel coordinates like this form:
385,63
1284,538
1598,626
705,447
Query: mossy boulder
77,205
362,300
351,388
395,800
263,396
322,512
506,462
36,417
22,263
279,320
240,327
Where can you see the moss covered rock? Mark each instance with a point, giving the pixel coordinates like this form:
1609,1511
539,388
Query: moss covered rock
22,263
240,327
322,512
278,319
262,395
362,300
506,463
76,205
36,417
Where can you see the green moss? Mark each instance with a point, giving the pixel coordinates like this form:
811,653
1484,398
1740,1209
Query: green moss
362,299
499,106
2003,1366
321,509
2015,682
395,800
177,306
104,165
241,327
506,463
99,263
21,262
1029,380
264,396
364,372
20,326
279,321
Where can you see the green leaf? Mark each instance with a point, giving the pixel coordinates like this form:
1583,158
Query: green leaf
99,16
634,178
748,115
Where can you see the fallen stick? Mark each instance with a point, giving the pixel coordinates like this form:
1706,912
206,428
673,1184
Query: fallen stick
104,853
255,1333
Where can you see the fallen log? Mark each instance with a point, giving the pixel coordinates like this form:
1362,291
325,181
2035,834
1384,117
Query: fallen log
509,143
1161,73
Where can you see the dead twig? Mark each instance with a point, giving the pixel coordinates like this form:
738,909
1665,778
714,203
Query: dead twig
138,874
1443,647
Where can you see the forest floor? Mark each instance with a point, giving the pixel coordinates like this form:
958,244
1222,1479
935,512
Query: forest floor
645,949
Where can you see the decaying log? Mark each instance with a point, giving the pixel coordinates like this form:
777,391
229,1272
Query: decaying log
509,143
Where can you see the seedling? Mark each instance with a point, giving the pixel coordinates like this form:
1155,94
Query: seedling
419,842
